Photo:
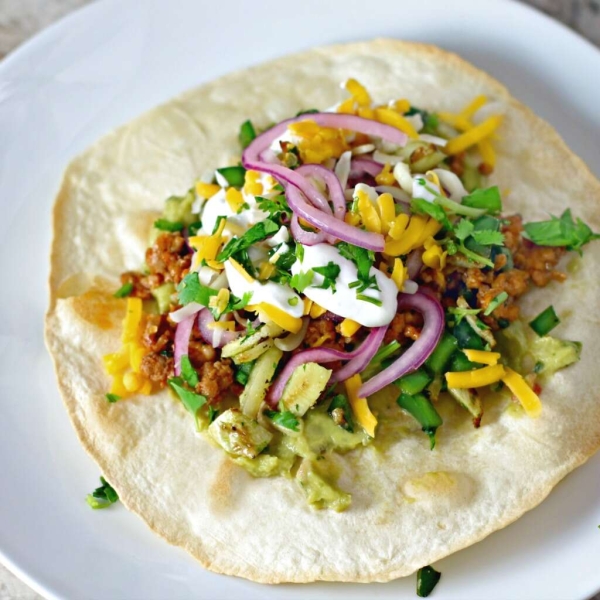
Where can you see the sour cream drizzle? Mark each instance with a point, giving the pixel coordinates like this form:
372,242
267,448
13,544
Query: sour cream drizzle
269,292
343,301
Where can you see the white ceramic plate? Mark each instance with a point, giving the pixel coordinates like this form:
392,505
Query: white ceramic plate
103,66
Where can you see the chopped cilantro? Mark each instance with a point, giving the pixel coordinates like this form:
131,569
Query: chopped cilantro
166,225
488,199
463,229
276,207
194,228
256,233
300,252
487,237
300,281
285,419
112,398
460,313
193,402
103,496
366,298
247,134
424,207
124,290
363,259
475,257
188,373
330,273
191,290
563,231
235,176
242,372
495,303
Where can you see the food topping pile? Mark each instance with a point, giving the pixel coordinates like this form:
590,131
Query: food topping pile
350,255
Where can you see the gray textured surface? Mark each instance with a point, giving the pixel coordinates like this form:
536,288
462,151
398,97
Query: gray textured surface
20,19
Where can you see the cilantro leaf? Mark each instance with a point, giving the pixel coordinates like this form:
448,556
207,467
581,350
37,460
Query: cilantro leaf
424,207
191,290
193,402
366,298
300,281
247,134
330,273
285,419
242,372
256,233
361,257
463,229
488,199
495,303
308,111
103,496
166,225
124,290
487,237
563,231
112,398
277,207
461,313
188,373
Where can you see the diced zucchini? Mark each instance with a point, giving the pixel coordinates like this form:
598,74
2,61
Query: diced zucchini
238,434
258,381
178,209
253,353
304,387
162,295
242,344
470,401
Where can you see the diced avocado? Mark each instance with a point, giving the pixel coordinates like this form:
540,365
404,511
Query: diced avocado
238,434
320,435
321,493
470,401
162,295
555,354
178,209
264,465
258,381
527,352
304,387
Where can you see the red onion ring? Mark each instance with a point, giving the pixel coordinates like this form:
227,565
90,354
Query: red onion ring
308,238
417,354
414,263
205,319
336,193
360,166
254,155
368,349
323,356
182,341
329,224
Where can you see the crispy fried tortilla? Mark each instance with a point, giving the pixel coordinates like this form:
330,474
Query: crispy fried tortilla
411,506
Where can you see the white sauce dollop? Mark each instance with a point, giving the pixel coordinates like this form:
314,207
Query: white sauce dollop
217,206
270,292
419,188
344,301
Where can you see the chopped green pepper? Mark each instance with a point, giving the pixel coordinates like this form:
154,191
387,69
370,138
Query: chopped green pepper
414,382
124,290
421,408
466,337
235,176
427,579
442,353
247,134
461,363
545,322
